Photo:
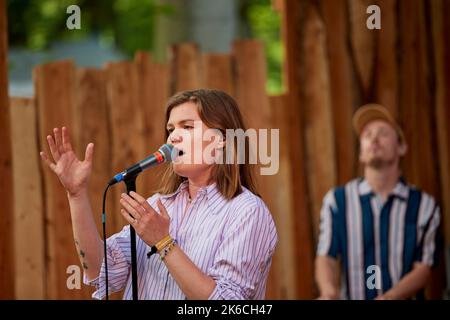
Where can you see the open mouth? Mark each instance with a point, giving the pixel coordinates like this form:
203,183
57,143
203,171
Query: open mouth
178,153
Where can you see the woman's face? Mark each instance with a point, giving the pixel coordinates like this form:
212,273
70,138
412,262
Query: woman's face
186,133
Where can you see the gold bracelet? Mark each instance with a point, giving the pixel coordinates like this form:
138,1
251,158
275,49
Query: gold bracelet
163,242
163,253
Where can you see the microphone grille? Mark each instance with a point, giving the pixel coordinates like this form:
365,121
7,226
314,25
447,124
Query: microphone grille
167,150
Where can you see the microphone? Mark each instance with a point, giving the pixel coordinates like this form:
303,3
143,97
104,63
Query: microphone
164,154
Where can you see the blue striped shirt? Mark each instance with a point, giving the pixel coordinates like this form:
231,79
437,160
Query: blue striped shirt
232,241
363,231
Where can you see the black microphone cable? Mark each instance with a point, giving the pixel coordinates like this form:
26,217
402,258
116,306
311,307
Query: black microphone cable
104,237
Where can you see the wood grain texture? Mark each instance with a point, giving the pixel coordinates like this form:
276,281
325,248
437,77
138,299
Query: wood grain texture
217,70
185,67
341,85
6,187
292,30
362,42
386,66
153,93
319,130
28,202
127,128
54,90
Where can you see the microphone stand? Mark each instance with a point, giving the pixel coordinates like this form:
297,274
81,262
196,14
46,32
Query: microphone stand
130,182
129,177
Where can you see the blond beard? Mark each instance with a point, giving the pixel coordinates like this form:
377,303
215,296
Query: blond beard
379,163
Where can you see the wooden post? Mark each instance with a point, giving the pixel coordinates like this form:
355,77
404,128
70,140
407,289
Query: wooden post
441,39
28,202
251,95
185,66
341,87
292,31
417,108
363,44
6,187
251,83
320,152
386,69
250,88
254,104
153,93
415,99
285,274
54,90
127,129
92,124
217,72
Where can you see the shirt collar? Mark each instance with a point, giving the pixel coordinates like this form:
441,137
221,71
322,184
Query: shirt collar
211,192
183,185
400,190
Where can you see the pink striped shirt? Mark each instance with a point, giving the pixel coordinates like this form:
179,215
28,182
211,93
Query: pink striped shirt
232,241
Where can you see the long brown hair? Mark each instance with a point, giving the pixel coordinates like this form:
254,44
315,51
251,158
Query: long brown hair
220,111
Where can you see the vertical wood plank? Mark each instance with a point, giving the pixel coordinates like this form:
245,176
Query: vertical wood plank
292,29
254,105
277,5
54,89
28,202
185,65
126,122
91,124
285,274
417,108
441,39
251,96
6,187
362,43
320,150
415,100
341,87
446,163
250,81
386,69
153,82
217,72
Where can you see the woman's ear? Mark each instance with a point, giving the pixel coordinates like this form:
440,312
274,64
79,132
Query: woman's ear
221,143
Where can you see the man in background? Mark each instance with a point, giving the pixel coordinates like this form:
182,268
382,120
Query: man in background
380,232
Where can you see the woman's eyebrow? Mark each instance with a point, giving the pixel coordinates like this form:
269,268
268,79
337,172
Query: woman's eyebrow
170,124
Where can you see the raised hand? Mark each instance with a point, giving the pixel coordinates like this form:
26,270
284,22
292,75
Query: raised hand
73,173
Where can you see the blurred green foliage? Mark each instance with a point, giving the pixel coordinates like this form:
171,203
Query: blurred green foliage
130,25
127,24
264,24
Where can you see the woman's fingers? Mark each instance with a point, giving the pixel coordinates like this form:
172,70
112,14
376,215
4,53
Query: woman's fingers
45,158
127,217
66,139
162,209
89,154
54,151
142,202
130,205
58,140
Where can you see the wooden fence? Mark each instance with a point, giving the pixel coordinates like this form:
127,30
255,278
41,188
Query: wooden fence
333,65
6,192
